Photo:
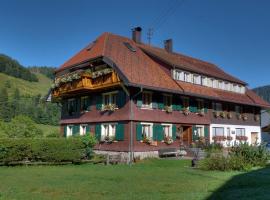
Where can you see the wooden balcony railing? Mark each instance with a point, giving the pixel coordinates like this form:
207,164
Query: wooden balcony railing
86,82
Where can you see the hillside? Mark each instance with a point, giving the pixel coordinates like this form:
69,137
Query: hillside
263,92
26,87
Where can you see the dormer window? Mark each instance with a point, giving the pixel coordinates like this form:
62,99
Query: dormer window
187,77
197,79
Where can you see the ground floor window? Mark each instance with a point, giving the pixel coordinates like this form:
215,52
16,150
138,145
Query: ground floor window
218,131
83,129
108,131
240,131
69,130
167,130
147,130
200,131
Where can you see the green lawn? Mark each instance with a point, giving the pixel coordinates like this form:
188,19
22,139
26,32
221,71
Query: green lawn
152,179
48,129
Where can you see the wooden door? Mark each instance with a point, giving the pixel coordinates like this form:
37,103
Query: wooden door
187,135
254,137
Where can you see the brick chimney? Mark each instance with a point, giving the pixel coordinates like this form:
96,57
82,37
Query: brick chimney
136,34
168,45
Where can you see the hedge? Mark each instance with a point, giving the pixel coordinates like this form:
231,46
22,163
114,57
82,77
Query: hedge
43,150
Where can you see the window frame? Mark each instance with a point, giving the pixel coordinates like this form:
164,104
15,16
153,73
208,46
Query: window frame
150,105
111,131
170,129
150,129
214,130
202,128
69,130
110,95
241,132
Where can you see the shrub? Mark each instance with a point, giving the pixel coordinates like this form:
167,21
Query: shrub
46,149
242,157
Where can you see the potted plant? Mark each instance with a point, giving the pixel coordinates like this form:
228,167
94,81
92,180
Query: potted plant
245,117
109,107
147,140
239,116
229,115
223,114
168,109
168,140
186,111
109,139
201,112
216,114
257,118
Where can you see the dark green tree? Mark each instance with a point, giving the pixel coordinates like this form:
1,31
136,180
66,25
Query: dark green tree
4,106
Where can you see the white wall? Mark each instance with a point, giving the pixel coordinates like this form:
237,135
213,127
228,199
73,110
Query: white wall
248,131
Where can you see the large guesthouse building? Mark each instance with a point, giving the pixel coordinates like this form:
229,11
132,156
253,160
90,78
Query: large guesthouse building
136,98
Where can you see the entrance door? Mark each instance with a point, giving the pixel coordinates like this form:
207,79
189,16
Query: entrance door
187,135
254,137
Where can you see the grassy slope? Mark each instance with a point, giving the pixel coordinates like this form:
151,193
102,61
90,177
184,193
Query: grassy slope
48,129
30,88
26,87
155,179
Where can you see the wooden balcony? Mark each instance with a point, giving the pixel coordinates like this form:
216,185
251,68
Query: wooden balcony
86,83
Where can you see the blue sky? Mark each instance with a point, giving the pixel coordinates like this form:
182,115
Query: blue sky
234,34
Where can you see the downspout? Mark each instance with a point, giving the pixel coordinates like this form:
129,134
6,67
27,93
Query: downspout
131,147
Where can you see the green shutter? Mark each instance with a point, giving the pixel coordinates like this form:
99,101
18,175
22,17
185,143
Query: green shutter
193,106
139,132
155,132
119,135
98,132
206,131
87,129
98,102
154,105
78,105
205,107
161,105
121,99
65,131
76,130
174,132
139,101
88,104
160,135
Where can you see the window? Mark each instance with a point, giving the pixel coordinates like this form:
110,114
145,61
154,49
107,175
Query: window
227,86
228,131
147,130
200,105
69,130
238,109
179,75
83,129
242,89
186,103
204,81
210,82
147,100
71,106
221,85
218,131
240,131
109,98
167,100
108,130
200,131
217,106
187,77
197,79
84,103
215,83
167,130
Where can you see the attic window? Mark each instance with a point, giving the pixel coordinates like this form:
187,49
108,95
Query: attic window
131,48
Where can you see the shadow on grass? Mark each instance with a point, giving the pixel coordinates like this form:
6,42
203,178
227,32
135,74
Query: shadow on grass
250,185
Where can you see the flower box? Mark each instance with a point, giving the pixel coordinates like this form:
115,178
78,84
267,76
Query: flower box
229,138
239,116
201,112
219,138
223,114
109,139
168,109
168,140
242,138
245,117
109,107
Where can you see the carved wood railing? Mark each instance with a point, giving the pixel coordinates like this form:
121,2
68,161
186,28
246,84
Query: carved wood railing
86,82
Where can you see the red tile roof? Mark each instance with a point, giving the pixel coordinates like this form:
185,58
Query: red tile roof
139,68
